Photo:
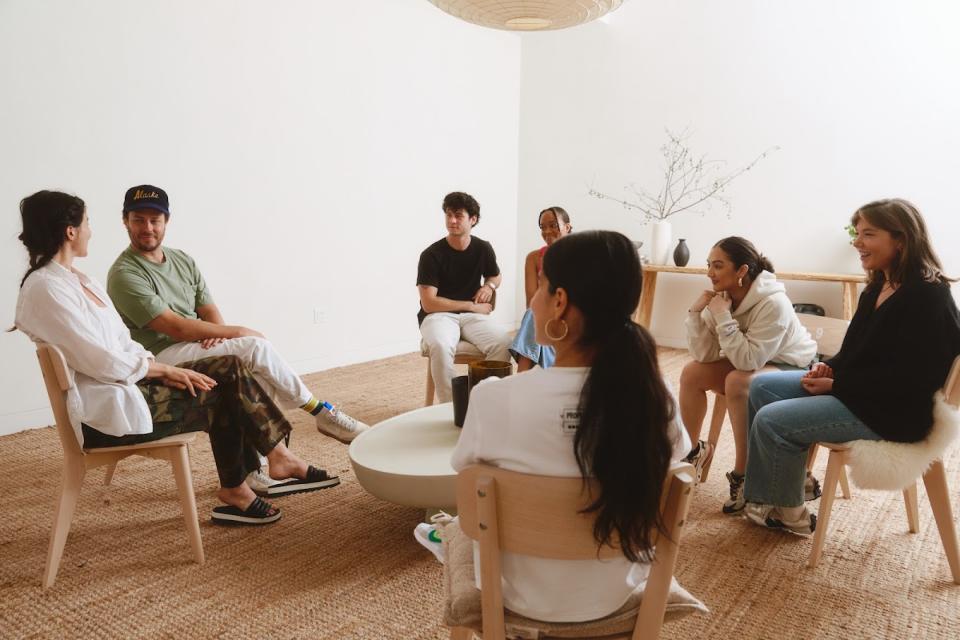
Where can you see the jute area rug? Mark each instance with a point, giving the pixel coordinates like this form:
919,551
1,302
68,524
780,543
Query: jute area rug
342,564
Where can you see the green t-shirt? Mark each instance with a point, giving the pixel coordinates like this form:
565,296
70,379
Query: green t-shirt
142,290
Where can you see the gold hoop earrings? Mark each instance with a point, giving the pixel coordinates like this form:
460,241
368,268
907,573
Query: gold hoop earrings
546,330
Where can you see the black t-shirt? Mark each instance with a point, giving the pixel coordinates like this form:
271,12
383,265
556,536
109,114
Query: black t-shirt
456,274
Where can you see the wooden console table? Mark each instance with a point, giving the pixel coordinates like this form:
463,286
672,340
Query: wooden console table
848,287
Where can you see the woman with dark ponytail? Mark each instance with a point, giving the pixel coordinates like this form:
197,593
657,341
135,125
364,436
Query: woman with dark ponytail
606,370
742,325
122,396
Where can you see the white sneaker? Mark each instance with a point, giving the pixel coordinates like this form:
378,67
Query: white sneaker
260,482
426,534
338,425
769,516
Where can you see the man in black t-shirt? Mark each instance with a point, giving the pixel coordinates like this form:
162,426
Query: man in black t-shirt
454,304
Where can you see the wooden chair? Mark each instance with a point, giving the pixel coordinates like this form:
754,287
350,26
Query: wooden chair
539,516
828,334
466,353
934,479
76,462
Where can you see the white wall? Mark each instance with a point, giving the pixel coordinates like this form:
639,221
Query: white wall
306,146
862,97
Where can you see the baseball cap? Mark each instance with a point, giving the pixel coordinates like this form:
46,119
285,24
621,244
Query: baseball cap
146,196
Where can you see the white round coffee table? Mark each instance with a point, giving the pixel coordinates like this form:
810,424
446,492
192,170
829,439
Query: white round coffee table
406,459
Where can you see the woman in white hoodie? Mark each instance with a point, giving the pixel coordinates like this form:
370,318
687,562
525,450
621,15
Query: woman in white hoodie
744,325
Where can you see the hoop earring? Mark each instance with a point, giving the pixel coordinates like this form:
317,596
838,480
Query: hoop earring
740,282
546,330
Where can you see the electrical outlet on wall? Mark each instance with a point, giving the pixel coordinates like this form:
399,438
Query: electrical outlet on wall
319,316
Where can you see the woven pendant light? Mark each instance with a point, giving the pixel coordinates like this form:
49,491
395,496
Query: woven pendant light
527,15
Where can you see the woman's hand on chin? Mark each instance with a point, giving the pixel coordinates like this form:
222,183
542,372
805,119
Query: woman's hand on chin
719,304
701,303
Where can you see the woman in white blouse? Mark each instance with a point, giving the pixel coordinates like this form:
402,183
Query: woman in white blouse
122,395
606,373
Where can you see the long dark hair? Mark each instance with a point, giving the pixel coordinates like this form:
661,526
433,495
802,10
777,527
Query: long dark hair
917,260
46,216
742,252
625,407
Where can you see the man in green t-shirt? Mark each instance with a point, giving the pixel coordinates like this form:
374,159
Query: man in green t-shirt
162,297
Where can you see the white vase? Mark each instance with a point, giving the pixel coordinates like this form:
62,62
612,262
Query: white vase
660,242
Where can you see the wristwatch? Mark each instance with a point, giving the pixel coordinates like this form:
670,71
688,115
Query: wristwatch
490,284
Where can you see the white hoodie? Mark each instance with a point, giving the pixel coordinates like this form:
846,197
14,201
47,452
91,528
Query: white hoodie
764,328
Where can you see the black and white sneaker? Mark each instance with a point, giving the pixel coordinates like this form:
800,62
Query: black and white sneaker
811,488
735,503
699,457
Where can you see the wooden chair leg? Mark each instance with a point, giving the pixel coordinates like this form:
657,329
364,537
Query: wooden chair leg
181,473
716,425
834,464
844,483
935,480
62,517
461,633
913,509
111,469
431,388
812,456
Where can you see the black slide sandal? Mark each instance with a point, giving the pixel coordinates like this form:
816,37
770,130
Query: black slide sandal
258,513
316,479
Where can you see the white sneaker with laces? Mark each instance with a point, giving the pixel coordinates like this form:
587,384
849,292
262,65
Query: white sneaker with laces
428,534
260,482
771,517
338,425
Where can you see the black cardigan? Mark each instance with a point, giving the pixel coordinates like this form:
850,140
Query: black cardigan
893,359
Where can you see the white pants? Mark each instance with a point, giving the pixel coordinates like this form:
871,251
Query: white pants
272,372
442,331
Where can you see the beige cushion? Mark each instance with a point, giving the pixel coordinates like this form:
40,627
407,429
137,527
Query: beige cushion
464,349
462,607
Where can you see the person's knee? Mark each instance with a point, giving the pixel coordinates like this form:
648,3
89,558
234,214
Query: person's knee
692,376
737,384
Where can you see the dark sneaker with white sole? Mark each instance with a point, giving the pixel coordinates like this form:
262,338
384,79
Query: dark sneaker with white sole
735,503
699,457
811,488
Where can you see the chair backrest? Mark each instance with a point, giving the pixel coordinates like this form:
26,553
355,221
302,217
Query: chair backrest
828,333
951,390
58,380
540,516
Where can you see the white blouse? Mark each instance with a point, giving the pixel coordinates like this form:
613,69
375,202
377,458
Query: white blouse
522,423
105,361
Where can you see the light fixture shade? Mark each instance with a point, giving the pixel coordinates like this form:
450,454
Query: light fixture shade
527,15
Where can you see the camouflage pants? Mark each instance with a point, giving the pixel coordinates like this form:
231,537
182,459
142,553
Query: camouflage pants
239,416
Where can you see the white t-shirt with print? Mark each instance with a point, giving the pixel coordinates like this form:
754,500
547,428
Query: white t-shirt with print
520,423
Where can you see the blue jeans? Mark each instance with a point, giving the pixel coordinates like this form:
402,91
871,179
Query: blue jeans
784,421
525,344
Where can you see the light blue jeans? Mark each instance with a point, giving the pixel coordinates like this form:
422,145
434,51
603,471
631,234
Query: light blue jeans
525,343
784,421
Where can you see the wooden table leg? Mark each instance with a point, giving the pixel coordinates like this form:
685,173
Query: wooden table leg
645,309
849,292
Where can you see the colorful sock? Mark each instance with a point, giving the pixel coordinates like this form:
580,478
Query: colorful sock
314,406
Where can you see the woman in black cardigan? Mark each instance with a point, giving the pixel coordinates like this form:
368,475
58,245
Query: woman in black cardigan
880,386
